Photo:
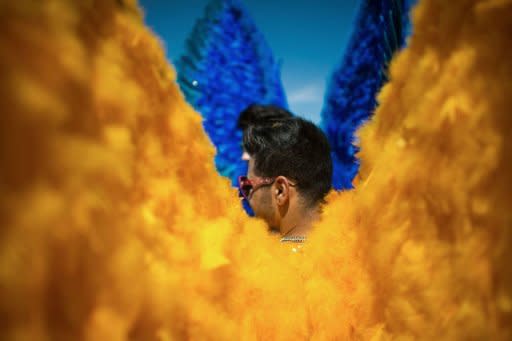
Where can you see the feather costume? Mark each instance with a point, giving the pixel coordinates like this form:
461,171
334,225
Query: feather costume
110,231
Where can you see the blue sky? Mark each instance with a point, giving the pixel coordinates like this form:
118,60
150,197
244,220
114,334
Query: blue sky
308,37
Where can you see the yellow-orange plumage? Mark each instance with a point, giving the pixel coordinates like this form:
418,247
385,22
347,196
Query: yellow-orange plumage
115,224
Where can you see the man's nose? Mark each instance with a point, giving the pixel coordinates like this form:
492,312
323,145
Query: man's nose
246,156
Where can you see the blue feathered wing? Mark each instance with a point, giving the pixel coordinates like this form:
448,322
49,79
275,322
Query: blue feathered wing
226,66
380,29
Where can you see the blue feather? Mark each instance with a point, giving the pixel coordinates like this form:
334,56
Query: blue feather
379,31
226,66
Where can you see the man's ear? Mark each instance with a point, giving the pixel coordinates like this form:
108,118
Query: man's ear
281,190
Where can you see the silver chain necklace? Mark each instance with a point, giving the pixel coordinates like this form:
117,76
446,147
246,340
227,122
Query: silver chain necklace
293,239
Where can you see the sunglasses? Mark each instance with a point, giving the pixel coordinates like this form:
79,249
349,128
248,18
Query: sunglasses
247,186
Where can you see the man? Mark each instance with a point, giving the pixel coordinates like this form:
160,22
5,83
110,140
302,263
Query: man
290,171
256,114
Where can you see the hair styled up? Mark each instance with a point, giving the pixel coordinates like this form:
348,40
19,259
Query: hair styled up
258,114
294,148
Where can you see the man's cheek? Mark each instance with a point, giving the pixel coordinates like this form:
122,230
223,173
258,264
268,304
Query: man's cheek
255,207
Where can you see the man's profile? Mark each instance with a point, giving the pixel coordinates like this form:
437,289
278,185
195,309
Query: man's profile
290,171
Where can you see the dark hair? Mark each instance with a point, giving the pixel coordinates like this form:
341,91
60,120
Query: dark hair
256,114
295,148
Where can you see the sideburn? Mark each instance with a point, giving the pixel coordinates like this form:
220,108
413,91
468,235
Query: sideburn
267,208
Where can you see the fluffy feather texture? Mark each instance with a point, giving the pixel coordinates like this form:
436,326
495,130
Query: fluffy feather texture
227,65
112,231
379,31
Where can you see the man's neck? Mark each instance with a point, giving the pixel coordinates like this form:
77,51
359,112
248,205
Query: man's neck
299,225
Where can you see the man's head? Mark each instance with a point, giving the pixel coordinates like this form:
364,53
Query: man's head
256,114
290,169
